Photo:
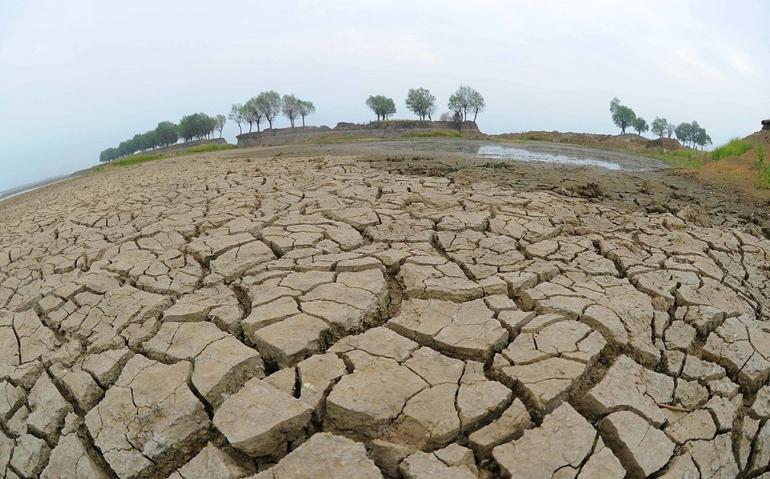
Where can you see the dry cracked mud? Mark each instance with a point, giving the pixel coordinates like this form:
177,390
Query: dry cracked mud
322,318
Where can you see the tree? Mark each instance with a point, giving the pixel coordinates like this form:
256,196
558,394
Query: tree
108,155
475,103
622,116
658,126
457,105
269,104
466,99
670,127
698,135
220,123
306,108
640,125
421,102
167,133
196,126
236,115
382,106
684,133
290,108
252,113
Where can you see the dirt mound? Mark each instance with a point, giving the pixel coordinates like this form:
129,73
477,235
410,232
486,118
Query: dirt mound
761,136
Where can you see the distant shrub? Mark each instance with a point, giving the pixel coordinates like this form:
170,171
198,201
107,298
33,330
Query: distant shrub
735,147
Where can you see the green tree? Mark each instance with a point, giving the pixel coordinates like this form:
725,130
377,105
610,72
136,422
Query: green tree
220,123
306,108
698,135
659,126
269,104
196,126
167,133
382,106
466,99
475,103
640,125
670,127
622,116
236,115
421,102
290,106
252,113
108,155
683,133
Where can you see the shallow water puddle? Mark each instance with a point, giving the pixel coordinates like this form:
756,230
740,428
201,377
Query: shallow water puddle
498,152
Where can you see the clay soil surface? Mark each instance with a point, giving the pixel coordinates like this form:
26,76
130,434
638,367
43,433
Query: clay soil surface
383,310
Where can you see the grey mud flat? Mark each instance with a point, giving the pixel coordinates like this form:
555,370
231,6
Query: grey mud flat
348,311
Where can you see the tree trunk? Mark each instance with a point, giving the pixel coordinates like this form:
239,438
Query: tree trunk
303,121
249,127
240,130
475,113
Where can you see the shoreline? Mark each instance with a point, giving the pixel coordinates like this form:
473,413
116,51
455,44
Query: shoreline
20,190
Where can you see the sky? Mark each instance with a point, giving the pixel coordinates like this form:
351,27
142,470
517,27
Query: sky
79,76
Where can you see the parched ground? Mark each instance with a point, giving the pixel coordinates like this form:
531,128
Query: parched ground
324,318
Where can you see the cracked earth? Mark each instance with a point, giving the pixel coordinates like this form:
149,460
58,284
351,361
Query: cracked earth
322,318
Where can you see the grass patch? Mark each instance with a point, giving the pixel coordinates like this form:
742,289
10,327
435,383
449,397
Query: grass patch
433,134
137,159
206,148
685,158
735,147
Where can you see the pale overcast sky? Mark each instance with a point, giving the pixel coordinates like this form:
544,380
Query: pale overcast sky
78,76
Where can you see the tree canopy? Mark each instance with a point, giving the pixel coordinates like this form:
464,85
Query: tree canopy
692,134
622,116
466,99
382,106
269,105
196,126
305,108
290,106
659,126
421,102
640,125
236,115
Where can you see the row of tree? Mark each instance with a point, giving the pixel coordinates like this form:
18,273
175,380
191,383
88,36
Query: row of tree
422,103
191,127
689,134
268,105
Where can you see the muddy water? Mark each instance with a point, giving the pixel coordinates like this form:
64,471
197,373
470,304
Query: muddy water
498,152
568,156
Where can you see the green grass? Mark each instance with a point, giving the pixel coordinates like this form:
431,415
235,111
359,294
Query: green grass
433,134
735,147
137,159
206,148
684,158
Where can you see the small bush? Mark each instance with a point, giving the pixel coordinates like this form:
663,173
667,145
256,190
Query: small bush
735,147
762,180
